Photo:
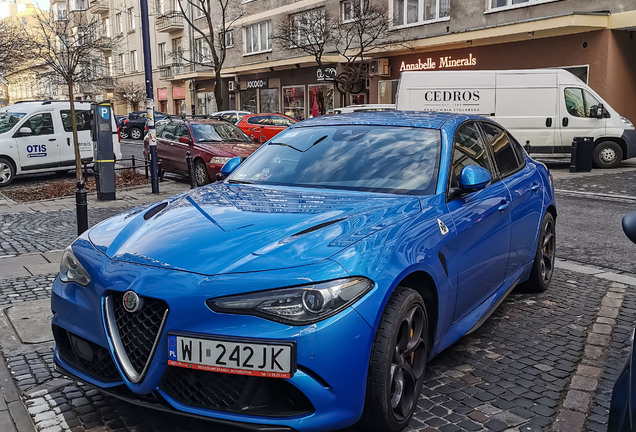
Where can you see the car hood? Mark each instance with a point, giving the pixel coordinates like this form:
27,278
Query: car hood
228,149
223,228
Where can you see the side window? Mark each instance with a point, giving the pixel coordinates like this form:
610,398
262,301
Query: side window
182,131
259,120
83,119
502,148
280,121
168,131
40,124
159,127
468,149
579,102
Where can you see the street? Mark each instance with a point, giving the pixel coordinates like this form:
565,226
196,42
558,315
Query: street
540,361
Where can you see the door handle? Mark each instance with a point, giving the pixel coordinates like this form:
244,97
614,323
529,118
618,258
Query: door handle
68,142
535,187
51,139
565,121
548,122
504,205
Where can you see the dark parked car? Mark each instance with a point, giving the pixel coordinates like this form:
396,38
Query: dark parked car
309,290
135,125
211,142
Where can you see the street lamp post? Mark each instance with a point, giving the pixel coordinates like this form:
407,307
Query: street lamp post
150,102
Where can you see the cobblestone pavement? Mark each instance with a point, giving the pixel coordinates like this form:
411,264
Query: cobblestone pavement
513,373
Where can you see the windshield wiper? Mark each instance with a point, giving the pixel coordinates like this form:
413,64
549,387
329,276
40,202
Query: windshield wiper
297,149
239,182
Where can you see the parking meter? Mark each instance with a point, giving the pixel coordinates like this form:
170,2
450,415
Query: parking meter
104,156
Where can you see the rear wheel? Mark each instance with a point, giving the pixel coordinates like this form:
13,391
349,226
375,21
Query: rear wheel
123,134
398,361
7,172
135,133
608,154
200,173
543,264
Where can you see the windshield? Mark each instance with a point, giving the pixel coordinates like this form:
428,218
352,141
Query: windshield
369,158
8,120
217,132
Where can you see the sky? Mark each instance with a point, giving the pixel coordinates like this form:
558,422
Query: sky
43,4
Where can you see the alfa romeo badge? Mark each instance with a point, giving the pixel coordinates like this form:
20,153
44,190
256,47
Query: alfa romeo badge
132,302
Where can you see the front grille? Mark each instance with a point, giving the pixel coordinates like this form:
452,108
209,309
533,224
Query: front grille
235,393
85,355
136,333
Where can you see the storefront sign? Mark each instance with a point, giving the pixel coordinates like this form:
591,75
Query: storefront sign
162,94
327,75
178,92
260,83
446,62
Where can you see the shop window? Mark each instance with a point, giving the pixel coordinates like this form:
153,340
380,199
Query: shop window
387,91
249,100
508,4
320,99
258,38
358,99
294,102
206,103
269,101
414,12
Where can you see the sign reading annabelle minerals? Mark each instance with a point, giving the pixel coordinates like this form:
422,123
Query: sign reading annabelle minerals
445,62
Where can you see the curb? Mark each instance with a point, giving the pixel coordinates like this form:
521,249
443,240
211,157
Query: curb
13,415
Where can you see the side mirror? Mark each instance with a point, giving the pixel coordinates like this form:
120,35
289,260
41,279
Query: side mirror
629,226
185,140
231,165
24,131
473,177
597,111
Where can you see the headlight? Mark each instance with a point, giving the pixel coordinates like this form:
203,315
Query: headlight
626,121
71,270
305,304
219,160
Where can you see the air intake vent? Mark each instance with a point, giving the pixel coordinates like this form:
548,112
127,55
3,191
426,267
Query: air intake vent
156,209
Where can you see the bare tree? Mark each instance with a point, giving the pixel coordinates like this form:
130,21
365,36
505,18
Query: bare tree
71,46
219,17
316,32
14,48
132,92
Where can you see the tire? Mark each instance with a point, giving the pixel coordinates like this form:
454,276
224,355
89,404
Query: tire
607,154
201,173
123,134
7,172
136,134
398,362
543,265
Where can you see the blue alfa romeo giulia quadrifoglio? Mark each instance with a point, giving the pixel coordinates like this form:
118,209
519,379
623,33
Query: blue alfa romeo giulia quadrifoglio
309,289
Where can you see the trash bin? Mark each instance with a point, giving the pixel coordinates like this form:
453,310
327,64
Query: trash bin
581,158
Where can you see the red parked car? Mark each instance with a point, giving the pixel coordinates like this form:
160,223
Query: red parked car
264,127
210,142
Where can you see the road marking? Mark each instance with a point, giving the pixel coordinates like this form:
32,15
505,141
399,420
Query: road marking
596,195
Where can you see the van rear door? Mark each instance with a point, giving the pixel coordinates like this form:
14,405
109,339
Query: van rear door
527,106
576,103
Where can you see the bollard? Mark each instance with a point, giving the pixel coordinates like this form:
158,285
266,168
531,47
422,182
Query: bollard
85,166
81,205
160,169
146,164
132,159
193,180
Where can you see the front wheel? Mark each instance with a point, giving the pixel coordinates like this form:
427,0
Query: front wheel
608,154
398,361
7,173
200,173
543,265
135,133
123,134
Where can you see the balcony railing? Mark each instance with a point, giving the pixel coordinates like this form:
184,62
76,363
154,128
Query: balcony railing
170,22
99,6
169,71
108,82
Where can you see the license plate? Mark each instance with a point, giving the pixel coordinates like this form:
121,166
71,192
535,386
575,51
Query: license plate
273,360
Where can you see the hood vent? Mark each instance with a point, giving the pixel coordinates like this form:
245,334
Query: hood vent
156,209
317,227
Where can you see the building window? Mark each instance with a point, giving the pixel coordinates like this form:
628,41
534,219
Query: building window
177,51
229,38
119,24
60,12
131,19
294,102
387,91
77,5
350,10
159,7
109,66
121,63
302,22
106,27
133,61
509,4
162,53
202,50
414,12
200,9
257,38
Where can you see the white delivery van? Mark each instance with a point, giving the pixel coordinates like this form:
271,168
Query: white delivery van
545,107
36,136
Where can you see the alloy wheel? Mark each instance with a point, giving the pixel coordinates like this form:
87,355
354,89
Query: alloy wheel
547,252
408,362
5,173
135,133
200,174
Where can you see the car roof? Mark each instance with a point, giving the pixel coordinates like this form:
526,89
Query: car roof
424,119
23,106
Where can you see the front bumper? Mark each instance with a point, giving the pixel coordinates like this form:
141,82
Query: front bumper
629,137
326,392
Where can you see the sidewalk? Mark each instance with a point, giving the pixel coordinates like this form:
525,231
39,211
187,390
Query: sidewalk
21,268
